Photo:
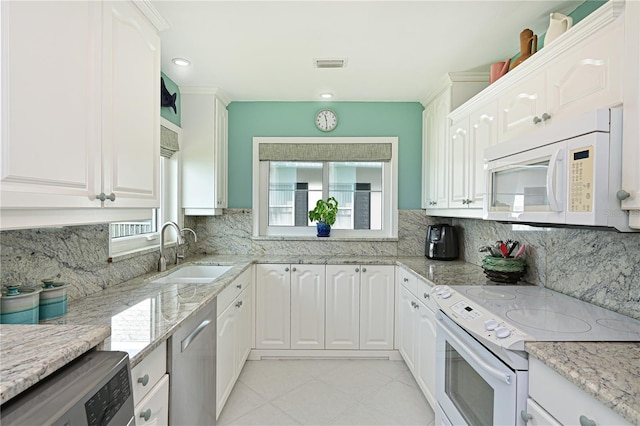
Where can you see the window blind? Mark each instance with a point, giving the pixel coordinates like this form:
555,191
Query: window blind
324,152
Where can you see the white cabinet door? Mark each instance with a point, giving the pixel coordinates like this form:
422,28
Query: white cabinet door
483,126
342,315
226,354
51,104
377,303
588,77
425,362
429,151
406,339
458,166
154,408
273,307
204,152
537,416
307,306
443,108
245,319
130,107
520,105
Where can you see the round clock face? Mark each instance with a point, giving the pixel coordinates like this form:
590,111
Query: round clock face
326,120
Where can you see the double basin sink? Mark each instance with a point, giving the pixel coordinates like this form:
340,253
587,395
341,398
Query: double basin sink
194,274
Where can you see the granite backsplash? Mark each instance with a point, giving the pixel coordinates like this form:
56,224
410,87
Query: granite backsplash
601,267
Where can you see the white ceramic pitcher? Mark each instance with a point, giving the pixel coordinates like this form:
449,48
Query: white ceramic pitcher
558,24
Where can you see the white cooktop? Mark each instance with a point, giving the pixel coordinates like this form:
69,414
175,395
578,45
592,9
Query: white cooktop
508,316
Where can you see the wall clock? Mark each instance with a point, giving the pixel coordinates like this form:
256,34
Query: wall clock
326,120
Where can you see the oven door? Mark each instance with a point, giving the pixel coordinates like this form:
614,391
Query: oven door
473,386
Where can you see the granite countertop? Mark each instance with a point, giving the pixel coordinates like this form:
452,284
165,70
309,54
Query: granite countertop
142,315
30,353
609,371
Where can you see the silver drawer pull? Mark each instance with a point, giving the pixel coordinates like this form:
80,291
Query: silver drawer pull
586,421
405,279
525,416
144,380
239,304
239,286
286,269
426,295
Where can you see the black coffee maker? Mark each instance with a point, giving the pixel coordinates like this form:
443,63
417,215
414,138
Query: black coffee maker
442,242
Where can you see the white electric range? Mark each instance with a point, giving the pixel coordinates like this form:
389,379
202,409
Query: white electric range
482,368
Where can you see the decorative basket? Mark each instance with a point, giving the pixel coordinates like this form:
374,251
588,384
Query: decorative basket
503,270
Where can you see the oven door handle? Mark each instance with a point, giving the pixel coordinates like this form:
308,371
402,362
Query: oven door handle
489,369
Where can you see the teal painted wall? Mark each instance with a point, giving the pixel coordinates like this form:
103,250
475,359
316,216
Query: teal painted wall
167,112
271,119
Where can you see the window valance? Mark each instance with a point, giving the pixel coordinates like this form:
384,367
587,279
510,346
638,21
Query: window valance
324,152
168,142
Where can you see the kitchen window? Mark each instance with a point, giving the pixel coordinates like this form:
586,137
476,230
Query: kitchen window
142,234
292,174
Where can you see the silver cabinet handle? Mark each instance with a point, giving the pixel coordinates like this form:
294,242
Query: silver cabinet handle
364,269
239,304
537,120
357,269
286,269
525,416
464,201
239,286
426,295
144,380
187,341
545,117
405,279
294,269
146,415
586,421
469,201
103,197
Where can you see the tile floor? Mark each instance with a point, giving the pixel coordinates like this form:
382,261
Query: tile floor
326,392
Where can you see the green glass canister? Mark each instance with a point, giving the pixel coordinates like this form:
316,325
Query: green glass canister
53,299
20,305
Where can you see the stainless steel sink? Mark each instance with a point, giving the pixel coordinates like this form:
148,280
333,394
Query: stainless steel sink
193,274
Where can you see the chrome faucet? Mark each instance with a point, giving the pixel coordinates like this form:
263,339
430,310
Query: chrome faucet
195,237
162,262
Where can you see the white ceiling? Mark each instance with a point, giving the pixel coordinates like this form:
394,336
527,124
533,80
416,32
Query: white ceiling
396,50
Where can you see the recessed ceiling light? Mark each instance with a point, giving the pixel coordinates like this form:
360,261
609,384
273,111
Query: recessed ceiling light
181,62
326,95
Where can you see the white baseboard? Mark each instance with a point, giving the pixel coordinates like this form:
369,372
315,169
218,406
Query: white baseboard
260,354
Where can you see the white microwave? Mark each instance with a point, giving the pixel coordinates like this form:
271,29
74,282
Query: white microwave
567,174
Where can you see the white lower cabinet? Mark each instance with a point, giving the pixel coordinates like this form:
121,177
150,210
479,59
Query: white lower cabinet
551,392
151,388
377,307
337,307
233,337
417,332
154,409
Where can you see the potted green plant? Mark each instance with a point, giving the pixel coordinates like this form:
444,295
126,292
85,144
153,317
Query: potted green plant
325,214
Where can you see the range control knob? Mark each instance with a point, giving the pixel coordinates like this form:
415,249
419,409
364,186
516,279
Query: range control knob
502,332
491,324
445,294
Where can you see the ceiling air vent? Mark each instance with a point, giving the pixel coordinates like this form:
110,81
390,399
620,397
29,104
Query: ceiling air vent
330,63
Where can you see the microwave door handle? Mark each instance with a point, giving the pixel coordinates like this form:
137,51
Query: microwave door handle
489,369
552,196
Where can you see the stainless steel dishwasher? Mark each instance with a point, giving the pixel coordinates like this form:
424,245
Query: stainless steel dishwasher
193,370
94,390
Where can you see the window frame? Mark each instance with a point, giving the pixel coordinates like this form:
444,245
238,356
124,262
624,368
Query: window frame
170,205
260,192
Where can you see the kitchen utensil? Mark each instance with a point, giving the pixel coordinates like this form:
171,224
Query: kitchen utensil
503,249
520,251
512,246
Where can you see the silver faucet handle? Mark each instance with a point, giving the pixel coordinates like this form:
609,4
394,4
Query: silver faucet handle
195,237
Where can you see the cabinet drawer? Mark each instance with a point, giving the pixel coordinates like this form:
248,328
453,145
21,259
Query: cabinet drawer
148,372
537,416
552,391
233,290
153,409
409,280
424,295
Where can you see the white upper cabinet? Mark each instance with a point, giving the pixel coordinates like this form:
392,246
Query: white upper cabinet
81,113
204,151
451,92
521,107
